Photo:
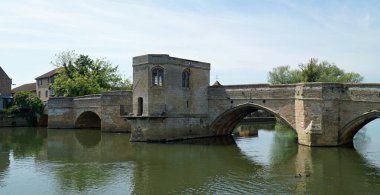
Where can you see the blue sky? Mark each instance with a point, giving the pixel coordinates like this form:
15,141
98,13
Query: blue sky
242,40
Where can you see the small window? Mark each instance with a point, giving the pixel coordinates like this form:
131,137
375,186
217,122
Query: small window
157,76
51,80
39,82
46,93
186,78
39,94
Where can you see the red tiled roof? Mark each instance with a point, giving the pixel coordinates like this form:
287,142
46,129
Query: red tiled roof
48,74
31,87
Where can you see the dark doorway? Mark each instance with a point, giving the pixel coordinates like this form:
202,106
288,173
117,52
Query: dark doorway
140,106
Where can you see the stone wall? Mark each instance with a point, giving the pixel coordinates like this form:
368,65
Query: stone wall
114,105
140,88
175,100
171,98
61,113
168,129
14,121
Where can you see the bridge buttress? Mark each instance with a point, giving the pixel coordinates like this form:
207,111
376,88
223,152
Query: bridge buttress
317,114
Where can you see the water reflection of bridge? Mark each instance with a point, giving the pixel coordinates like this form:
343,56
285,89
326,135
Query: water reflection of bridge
83,162
192,167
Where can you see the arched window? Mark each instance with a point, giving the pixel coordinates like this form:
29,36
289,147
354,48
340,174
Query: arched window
157,76
186,78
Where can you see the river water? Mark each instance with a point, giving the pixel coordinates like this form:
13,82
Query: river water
269,161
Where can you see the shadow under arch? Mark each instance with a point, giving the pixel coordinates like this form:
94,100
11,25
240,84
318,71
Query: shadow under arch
225,122
347,133
88,120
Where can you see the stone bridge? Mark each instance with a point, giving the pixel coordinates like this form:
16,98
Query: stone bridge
172,100
100,111
322,114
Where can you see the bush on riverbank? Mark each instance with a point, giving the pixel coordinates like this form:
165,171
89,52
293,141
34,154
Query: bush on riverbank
25,105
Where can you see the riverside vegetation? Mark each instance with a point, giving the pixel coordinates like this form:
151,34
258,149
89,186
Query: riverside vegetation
313,71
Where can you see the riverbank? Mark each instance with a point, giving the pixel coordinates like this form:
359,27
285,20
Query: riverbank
22,120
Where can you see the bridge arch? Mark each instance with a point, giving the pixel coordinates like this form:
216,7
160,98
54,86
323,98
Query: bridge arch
347,133
225,122
88,120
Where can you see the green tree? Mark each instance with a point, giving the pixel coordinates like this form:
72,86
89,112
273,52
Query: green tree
27,105
24,101
79,75
313,71
283,75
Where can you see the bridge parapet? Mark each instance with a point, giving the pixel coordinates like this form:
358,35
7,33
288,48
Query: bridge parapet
258,91
60,102
330,91
117,98
87,101
363,92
